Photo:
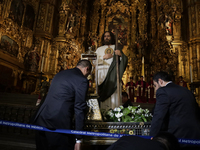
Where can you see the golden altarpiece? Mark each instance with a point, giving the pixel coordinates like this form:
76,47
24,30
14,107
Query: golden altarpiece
39,38
42,37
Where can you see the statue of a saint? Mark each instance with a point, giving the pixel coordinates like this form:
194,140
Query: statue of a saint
32,59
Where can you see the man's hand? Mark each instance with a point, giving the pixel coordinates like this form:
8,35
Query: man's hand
117,52
77,146
107,56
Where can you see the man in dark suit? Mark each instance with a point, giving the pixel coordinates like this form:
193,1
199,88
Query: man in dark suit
163,141
176,110
126,102
65,98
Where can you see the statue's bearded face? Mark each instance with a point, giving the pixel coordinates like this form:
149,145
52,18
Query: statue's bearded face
107,39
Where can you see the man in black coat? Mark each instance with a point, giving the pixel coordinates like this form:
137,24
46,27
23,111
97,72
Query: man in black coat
65,98
176,110
126,102
163,141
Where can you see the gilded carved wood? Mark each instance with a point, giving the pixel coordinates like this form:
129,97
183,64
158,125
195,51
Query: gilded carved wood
145,33
64,29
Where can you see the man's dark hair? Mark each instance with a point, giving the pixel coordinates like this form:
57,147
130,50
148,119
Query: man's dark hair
112,38
85,63
124,94
169,141
162,75
180,77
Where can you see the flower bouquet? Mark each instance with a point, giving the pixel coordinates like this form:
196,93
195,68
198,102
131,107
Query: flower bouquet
129,114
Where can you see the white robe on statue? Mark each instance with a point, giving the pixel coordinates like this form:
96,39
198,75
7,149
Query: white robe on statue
103,67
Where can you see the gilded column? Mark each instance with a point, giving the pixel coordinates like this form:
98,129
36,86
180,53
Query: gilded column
198,38
184,61
83,21
102,22
41,17
177,42
177,21
44,29
142,17
194,58
52,58
153,19
133,22
95,18
194,38
132,46
45,52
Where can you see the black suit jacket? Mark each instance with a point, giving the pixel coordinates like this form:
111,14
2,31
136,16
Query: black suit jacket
127,103
176,111
65,98
135,143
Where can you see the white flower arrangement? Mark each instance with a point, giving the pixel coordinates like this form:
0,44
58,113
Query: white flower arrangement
129,114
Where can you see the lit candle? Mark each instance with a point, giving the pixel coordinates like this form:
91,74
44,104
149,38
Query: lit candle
42,63
191,74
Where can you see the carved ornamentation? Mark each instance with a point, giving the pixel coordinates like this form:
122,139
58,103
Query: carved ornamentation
193,20
184,53
41,17
194,59
52,58
69,55
64,12
143,25
49,18
162,57
199,17
144,38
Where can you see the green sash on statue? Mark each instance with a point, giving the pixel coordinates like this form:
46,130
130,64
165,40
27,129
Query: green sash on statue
109,85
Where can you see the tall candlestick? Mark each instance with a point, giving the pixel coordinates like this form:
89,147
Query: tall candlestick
142,66
42,63
191,74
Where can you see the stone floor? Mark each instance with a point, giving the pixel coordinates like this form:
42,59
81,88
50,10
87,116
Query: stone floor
16,142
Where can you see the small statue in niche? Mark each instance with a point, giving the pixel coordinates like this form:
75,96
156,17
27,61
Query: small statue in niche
165,21
168,24
70,24
32,59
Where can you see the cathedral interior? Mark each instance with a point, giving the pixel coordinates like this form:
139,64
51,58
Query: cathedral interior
39,38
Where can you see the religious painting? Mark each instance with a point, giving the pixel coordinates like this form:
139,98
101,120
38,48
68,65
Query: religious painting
9,45
119,24
16,11
29,17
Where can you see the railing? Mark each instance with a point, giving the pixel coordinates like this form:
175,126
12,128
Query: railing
16,113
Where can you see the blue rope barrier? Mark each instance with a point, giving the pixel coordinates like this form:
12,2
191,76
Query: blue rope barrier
87,133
